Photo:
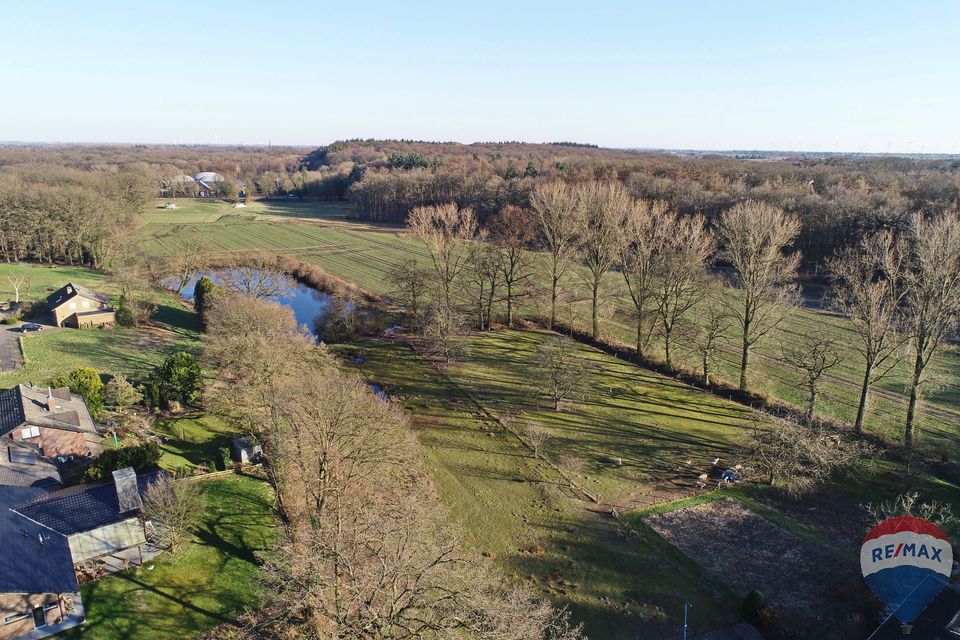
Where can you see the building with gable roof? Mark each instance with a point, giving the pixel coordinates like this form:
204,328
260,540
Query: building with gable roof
75,306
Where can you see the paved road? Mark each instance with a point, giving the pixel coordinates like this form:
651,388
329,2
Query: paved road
10,356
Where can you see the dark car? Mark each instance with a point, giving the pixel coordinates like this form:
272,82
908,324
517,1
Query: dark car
30,326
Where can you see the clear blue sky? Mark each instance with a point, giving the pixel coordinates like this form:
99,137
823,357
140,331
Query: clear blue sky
841,75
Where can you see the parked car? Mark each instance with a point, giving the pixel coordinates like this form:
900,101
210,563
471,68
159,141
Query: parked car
30,326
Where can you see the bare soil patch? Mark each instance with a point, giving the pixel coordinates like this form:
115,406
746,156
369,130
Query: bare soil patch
802,580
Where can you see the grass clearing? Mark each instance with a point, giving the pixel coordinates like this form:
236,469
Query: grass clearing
521,512
211,580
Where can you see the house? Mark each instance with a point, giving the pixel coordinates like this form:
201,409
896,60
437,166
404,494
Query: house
48,537
40,429
79,307
38,586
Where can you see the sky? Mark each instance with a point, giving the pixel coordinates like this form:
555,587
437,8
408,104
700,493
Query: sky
845,75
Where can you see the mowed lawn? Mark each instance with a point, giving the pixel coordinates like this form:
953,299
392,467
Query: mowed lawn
521,512
320,233
133,352
206,584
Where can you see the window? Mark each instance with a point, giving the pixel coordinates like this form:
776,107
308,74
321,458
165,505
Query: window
30,432
39,617
85,303
73,305
22,457
15,617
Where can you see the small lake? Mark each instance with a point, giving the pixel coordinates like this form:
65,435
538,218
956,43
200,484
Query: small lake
305,302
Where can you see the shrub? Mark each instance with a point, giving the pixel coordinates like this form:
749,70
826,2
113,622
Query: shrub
9,320
125,314
202,293
225,457
120,393
86,382
180,379
142,457
752,604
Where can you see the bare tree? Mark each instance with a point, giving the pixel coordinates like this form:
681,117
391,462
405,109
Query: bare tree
409,284
713,321
484,267
20,281
683,274
559,369
641,258
259,277
175,508
869,290
600,220
447,231
755,236
555,206
187,262
910,504
537,435
799,456
932,298
514,230
813,356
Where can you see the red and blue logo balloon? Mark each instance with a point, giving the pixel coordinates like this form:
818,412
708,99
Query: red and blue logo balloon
906,561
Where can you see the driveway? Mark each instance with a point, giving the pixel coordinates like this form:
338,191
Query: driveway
10,355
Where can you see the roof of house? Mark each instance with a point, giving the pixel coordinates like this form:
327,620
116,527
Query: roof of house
26,564
70,291
25,404
83,507
14,470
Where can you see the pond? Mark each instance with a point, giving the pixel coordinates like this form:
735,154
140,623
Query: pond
306,302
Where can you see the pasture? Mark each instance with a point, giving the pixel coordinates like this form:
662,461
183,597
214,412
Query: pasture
321,233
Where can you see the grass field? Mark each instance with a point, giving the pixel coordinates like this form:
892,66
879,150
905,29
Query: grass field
206,584
133,352
521,511
318,232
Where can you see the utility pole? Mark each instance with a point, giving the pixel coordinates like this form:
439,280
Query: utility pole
686,605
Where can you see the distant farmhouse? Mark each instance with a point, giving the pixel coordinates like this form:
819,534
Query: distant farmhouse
79,307
206,184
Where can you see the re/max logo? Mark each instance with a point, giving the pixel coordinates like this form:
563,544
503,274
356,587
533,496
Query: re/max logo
905,550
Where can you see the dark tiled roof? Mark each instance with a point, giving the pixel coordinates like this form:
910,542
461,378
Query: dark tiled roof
26,565
42,474
71,290
83,507
11,411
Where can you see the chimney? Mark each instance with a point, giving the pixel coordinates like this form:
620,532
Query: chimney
51,401
128,494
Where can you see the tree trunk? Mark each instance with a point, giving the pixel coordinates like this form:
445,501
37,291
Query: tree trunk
744,362
913,406
864,393
811,403
509,304
639,334
593,314
706,369
553,302
666,349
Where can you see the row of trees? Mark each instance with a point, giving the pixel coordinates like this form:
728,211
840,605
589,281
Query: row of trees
366,550
685,278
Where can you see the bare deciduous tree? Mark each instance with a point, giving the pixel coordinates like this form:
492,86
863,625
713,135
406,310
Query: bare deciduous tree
799,456
754,236
175,508
537,435
409,283
188,261
682,277
932,298
447,231
600,218
813,356
484,267
640,259
20,281
259,277
555,206
559,369
514,230
869,290
713,321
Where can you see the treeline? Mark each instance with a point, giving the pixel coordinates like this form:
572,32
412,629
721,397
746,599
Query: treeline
62,215
900,290
366,550
835,198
